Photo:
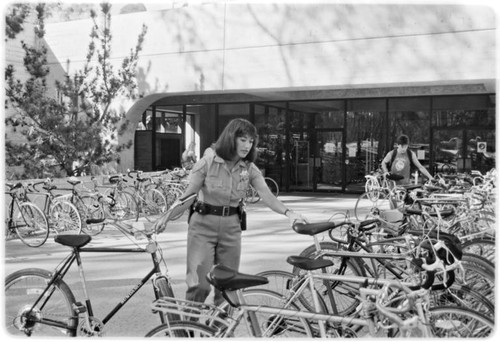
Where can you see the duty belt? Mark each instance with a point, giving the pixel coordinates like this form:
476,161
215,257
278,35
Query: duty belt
208,209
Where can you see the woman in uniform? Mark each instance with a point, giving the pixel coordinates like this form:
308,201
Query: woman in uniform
221,181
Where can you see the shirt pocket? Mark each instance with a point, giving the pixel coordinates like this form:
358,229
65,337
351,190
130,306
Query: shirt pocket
214,183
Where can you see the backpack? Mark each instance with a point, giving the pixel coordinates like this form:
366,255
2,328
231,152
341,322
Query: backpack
395,153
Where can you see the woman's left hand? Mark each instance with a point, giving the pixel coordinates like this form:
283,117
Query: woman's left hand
293,217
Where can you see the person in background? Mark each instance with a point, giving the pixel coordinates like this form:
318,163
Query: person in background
209,150
221,180
401,160
189,157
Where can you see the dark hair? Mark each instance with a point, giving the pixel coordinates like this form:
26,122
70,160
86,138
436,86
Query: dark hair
403,140
225,147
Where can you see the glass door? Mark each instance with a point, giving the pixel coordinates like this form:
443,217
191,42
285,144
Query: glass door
328,161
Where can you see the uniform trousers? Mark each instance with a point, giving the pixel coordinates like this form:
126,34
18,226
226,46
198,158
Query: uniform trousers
211,240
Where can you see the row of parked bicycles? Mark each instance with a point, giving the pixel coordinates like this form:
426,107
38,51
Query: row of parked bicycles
414,261
36,209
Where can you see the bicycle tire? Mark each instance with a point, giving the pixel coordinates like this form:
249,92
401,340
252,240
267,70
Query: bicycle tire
479,274
252,196
164,289
153,202
481,246
464,296
22,288
121,205
182,329
90,208
371,184
30,224
279,281
272,185
65,218
345,295
272,325
449,321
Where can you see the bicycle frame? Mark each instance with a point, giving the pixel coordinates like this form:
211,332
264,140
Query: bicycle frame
86,308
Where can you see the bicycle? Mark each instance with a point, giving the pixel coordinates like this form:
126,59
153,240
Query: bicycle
63,216
365,251
119,204
150,201
39,302
380,195
89,204
24,218
392,309
252,195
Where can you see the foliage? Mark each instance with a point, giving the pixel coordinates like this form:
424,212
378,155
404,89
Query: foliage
79,129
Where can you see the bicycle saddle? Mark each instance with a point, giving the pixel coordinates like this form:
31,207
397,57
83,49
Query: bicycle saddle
73,240
308,263
225,278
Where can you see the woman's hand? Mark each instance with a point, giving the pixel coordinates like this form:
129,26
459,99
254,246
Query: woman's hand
293,217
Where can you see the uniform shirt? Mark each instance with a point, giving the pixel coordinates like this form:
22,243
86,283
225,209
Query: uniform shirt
220,186
401,166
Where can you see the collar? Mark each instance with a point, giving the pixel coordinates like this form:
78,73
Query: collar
241,162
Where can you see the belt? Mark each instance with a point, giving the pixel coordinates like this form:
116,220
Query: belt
208,209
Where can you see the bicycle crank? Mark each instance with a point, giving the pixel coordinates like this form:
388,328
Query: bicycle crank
96,328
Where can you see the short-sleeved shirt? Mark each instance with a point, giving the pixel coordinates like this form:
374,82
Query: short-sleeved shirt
219,185
401,166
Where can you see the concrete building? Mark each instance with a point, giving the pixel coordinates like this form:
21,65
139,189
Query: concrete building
330,86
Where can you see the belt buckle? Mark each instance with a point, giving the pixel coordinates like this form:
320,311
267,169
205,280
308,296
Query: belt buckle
225,211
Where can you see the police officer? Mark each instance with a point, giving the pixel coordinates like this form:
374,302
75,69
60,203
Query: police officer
221,181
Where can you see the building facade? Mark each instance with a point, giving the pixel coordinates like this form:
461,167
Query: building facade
329,86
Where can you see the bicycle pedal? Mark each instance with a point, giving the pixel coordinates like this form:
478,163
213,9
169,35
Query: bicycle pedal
79,308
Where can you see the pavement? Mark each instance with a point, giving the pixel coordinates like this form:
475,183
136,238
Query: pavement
266,244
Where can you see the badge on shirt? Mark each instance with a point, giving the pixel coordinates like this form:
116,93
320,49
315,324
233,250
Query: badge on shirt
244,177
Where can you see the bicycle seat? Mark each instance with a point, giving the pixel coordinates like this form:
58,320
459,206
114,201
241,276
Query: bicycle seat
73,181
73,240
394,177
308,263
225,278
313,228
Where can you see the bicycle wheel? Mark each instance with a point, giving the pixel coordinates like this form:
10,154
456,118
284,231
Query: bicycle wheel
272,325
52,316
252,195
480,246
121,206
272,185
479,275
463,296
371,184
182,329
345,295
279,281
154,203
89,207
30,224
371,203
65,218
449,321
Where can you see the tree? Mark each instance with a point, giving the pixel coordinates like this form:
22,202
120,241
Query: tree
68,134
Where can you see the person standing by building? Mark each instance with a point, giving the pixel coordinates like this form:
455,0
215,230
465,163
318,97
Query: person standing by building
221,181
401,160
189,158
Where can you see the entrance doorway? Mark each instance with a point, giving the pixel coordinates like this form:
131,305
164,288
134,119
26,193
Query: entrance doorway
328,161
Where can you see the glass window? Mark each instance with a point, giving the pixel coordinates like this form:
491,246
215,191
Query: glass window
365,136
270,123
463,111
410,116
